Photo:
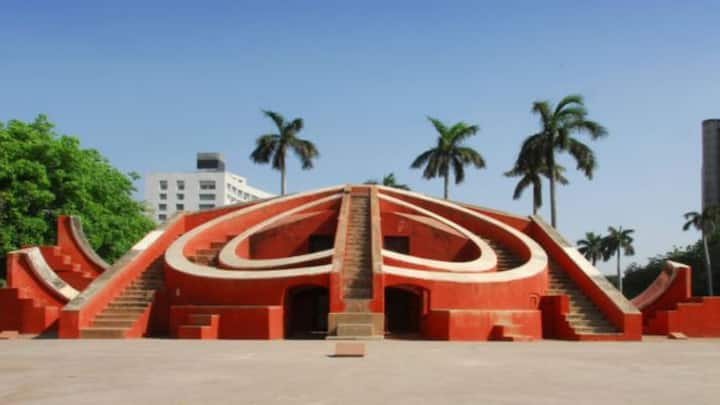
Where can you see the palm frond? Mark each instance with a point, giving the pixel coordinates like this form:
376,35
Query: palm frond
304,150
570,100
584,156
296,125
469,155
543,109
591,127
422,158
265,145
439,126
278,119
458,169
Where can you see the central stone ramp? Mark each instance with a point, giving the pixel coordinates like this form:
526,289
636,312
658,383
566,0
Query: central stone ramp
357,322
357,266
583,316
129,309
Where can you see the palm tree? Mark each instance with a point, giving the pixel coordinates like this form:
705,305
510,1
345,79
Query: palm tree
448,153
389,181
618,241
532,168
556,135
705,222
592,247
275,146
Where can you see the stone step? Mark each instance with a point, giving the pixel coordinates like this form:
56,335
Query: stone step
356,305
123,306
113,323
358,293
583,330
120,313
358,317
584,316
358,283
354,329
200,319
117,316
103,333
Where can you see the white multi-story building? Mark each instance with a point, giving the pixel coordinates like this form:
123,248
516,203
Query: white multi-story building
208,187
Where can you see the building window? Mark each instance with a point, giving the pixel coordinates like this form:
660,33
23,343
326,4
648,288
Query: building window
207,197
180,196
207,185
163,184
179,207
181,184
206,206
163,196
162,217
162,207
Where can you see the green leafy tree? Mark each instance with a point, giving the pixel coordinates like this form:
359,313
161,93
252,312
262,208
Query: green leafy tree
558,125
449,153
639,277
43,174
619,241
592,247
531,168
389,181
707,223
275,146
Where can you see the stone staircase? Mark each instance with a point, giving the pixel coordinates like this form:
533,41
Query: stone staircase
70,272
506,259
129,307
209,256
357,322
200,326
583,317
39,314
357,266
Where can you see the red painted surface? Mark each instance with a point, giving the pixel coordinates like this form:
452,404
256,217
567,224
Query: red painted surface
206,307
629,324
483,325
71,321
234,321
669,307
28,306
70,246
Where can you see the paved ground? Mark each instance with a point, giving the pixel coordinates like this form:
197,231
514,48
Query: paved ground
300,372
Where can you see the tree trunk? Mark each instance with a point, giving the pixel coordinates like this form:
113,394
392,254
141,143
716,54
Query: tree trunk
619,273
283,180
446,178
708,266
553,209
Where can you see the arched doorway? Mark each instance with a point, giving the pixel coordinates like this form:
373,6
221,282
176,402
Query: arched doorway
403,308
306,313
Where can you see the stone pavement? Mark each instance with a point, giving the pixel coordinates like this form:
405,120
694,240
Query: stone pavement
657,371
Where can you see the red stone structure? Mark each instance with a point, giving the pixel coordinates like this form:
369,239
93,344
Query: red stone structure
346,262
668,306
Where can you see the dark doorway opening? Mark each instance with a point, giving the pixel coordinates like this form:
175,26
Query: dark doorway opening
403,308
319,243
398,244
306,313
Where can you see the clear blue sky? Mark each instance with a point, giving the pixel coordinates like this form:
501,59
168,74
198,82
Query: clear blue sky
150,85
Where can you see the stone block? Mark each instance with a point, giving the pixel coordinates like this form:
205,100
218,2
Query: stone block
349,349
